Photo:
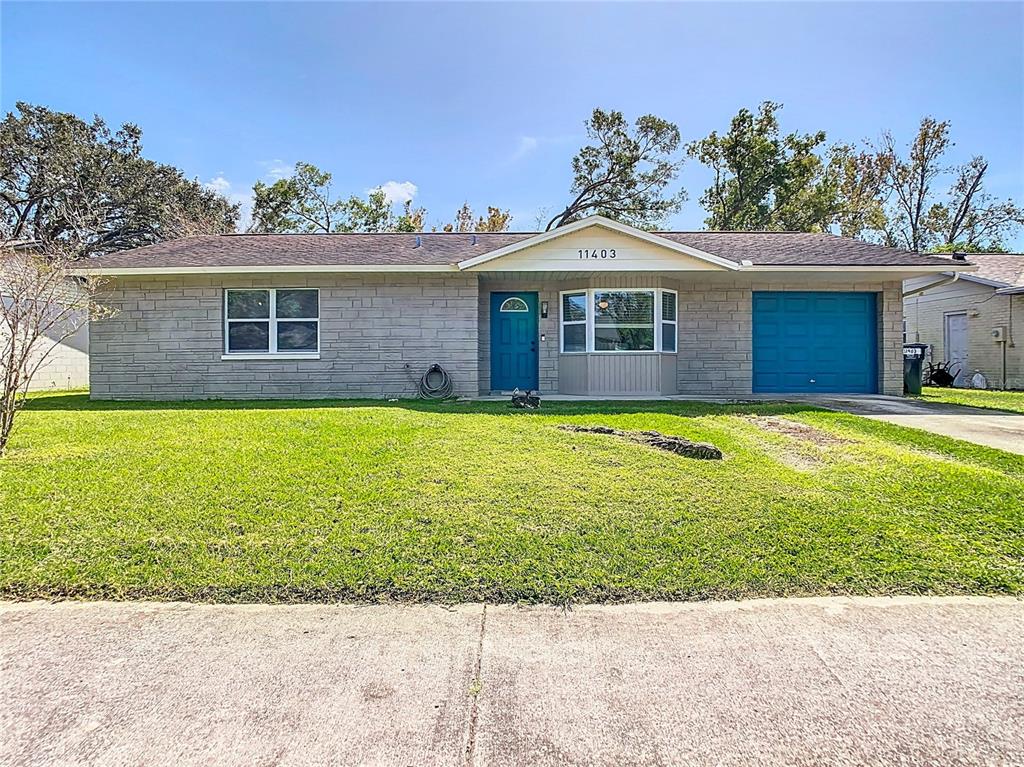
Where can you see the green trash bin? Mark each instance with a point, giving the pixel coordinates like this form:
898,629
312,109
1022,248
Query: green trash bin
913,368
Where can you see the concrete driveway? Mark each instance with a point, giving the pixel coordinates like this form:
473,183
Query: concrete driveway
982,426
827,681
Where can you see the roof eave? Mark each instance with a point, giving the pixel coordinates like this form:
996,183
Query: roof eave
901,268
115,271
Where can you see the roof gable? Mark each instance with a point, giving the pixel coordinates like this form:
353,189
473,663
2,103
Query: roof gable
597,241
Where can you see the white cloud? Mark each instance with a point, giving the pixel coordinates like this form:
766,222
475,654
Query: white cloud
527,144
218,184
275,169
396,191
223,187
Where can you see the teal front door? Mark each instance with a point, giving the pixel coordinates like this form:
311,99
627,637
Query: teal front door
513,341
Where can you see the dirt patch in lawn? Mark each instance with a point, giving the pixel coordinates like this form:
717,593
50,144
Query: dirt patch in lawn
678,445
799,431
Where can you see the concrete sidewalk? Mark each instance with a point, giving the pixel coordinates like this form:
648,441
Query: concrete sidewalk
821,681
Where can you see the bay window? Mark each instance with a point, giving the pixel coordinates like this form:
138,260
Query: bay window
284,322
623,320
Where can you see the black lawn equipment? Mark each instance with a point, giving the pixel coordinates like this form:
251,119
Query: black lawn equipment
942,374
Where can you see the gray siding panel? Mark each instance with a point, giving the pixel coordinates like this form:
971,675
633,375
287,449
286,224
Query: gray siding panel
669,374
572,374
633,374
613,374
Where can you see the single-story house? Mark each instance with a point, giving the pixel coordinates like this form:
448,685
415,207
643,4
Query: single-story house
972,320
592,308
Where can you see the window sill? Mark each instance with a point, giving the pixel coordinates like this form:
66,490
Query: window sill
241,357
644,352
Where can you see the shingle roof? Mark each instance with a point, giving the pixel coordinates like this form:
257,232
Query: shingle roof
1007,268
440,249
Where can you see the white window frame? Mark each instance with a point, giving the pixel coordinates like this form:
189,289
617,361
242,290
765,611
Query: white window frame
662,322
562,322
589,321
272,352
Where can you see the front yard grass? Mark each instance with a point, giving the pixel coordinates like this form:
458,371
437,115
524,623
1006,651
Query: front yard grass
319,501
1012,401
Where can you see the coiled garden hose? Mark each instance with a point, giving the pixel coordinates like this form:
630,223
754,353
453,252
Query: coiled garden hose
436,384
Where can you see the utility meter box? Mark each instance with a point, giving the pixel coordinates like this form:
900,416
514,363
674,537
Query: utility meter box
999,334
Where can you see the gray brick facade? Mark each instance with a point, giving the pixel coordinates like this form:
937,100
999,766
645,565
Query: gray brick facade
716,331
380,332
715,354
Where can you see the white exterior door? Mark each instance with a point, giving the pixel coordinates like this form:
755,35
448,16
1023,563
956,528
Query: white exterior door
956,346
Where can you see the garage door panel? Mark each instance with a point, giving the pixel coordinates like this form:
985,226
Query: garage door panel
768,301
814,342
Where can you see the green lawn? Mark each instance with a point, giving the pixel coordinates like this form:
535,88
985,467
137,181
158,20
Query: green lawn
996,400
285,501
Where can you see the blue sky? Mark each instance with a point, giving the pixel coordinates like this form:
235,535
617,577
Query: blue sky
485,102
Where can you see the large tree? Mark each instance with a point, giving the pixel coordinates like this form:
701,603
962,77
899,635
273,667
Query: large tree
304,203
766,180
624,172
858,178
910,180
931,205
63,180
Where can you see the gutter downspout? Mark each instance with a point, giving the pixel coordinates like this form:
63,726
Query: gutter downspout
936,284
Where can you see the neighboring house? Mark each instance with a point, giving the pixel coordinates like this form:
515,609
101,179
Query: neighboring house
592,308
972,320
67,359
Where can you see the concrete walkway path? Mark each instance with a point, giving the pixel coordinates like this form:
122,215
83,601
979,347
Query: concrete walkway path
983,426
818,681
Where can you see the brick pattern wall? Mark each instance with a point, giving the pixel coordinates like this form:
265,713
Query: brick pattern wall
926,312
715,354
716,331
378,334
66,367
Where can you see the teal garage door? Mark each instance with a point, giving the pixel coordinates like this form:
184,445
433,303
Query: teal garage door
815,342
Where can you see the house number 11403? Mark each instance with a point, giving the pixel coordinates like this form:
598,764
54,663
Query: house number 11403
603,253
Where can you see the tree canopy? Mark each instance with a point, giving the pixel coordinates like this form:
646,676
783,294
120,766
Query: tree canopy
920,217
910,198
63,180
623,173
496,220
304,203
763,179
